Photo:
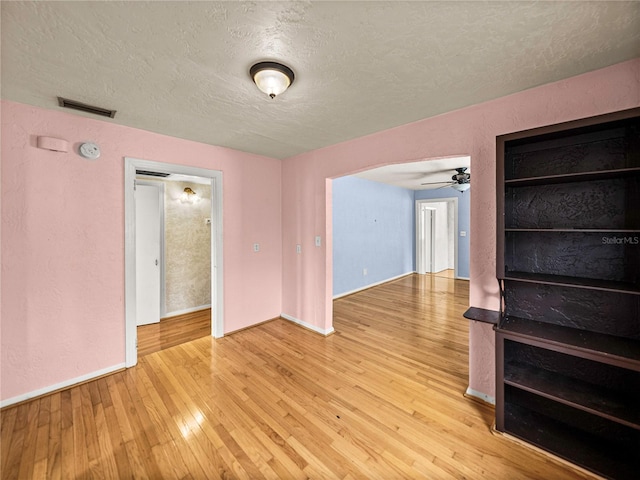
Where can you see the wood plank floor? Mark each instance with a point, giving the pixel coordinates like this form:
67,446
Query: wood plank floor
445,273
173,331
380,399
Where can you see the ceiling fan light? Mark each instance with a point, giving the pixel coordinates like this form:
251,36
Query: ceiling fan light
461,187
272,78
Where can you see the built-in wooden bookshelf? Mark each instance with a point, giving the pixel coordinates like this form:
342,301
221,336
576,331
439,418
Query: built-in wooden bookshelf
568,263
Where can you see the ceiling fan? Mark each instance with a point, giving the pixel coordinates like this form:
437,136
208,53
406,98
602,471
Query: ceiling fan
461,181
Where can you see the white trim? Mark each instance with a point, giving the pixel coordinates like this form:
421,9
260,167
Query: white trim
482,396
61,385
351,292
463,278
306,325
217,290
186,310
454,200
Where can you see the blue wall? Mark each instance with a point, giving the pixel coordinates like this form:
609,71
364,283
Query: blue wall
373,228
464,211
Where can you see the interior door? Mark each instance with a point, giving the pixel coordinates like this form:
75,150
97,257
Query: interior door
148,234
426,221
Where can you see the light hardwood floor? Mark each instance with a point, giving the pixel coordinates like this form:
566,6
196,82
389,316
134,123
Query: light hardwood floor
173,331
446,273
381,398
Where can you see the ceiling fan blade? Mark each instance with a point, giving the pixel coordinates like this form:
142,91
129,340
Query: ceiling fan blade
435,183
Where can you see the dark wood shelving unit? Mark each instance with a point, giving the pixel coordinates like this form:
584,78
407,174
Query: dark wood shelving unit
616,350
571,443
578,230
575,393
579,282
482,315
568,263
572,177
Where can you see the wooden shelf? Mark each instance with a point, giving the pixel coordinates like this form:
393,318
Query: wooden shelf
618,351
572,177
482,315
568,442
573,230
575,393
578,282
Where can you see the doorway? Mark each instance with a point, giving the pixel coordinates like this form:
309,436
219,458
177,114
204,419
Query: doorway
436,239
214,178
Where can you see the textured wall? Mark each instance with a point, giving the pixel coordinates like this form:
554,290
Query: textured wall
63,236
470,131
372,229
187,247
63,242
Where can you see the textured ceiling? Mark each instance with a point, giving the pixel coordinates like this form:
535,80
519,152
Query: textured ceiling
181,68
413,175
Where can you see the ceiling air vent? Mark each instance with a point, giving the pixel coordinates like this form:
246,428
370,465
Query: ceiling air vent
83,107
152,174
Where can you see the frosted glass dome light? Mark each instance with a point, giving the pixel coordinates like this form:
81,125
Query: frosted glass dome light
461,187
272,78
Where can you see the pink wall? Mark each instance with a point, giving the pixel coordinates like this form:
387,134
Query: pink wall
62,314
62,226
470,131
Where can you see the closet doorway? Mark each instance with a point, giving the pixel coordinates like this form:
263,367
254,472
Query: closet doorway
182,202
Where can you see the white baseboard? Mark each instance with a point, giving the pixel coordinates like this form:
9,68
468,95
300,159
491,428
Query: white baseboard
463,278
61,385
372,285
186,310
482,396
321,331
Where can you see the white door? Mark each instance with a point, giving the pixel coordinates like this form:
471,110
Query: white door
147,200
440,238
426,220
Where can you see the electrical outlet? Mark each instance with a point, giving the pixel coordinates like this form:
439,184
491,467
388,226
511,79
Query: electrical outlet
318,241
256,247
298,248
463,233
364,272
207,221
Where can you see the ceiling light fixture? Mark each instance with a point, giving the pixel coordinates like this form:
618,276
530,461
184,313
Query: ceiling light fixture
461,187
188,196
271,77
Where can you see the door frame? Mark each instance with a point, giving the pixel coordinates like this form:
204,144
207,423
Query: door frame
217,310
163,291
450,201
